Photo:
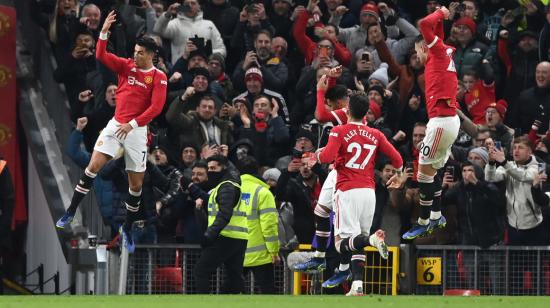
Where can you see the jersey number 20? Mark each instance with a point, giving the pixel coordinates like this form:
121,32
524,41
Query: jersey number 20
356,147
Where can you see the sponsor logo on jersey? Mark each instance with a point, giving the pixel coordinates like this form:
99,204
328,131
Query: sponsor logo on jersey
333,134
133,81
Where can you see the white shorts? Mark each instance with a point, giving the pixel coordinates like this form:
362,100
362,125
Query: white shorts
354,211
134,145
441,133
326,197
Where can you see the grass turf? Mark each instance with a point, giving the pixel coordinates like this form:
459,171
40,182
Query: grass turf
246,301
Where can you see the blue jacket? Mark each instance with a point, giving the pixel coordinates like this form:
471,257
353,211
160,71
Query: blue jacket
103,189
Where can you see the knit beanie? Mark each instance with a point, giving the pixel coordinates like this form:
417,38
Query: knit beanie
501,106
482,153
381,74
371,8
468,22
272,174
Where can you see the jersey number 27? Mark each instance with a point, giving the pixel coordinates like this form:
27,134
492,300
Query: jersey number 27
358,149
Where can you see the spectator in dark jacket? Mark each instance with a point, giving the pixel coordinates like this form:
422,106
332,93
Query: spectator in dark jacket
534,103
7,204
98,119
301,186
266,129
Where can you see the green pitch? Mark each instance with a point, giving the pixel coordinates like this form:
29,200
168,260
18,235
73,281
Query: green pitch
246,301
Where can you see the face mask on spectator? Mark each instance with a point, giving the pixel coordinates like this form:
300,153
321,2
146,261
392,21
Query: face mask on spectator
214,178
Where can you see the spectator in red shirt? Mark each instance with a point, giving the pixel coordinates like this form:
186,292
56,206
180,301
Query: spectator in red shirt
480,91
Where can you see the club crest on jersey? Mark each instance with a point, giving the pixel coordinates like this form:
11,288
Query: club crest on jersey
148,79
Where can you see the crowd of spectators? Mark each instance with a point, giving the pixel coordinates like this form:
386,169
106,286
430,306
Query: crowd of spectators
243,81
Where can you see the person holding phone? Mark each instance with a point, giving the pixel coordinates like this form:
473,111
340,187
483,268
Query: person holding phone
524,214
181,22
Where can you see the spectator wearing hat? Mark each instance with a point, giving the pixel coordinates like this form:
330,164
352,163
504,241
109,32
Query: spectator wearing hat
274,71
480,91
265,128
387,101
479,156
201,84
306,142
216,68
200,126
355,37
534,103
379,77
254,82
189,155
519,54
495,115
399,48
180,26
180,74
271,177
469,50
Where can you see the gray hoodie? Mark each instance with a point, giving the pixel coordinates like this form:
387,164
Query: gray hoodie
523,213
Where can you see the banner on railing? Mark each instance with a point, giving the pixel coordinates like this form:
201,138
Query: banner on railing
9,143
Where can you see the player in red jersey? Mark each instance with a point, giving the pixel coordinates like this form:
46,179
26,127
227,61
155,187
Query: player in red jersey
353,147
140,97
442,128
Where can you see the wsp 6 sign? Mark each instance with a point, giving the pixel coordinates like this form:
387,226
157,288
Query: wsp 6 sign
428,271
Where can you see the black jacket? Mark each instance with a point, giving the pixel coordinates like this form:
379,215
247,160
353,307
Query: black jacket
532,104
291,188
227,198
481,210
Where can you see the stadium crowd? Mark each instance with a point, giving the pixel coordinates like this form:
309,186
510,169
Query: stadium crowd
243,81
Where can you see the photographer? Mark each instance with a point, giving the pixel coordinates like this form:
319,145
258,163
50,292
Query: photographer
274,72
180,22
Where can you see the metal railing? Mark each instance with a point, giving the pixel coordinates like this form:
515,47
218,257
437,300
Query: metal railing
380,275
38,287
498,270
168,269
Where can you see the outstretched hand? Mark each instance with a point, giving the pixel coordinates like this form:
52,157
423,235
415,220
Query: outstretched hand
111,18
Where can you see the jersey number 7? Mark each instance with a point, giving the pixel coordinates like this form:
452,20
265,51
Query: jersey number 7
354,146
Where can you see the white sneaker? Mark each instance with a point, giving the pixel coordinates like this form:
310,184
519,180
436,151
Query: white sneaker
356,289
376,240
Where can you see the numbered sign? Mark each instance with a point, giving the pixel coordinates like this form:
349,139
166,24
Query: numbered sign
428,271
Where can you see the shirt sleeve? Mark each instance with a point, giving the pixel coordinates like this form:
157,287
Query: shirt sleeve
158,99
114,63
431,28
329,153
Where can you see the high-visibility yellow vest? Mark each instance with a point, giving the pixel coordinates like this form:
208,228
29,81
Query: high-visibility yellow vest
263,221
237,226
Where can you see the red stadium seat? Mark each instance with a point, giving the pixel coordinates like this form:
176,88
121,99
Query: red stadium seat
169,279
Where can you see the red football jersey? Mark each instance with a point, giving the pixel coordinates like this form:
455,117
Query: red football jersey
478,99
440,70
353,148
141,93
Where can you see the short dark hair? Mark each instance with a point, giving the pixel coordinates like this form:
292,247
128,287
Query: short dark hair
208,98
337,92
358,106
466,164
421,124
148,43
263,31
248,165
336,28
200,164
220,159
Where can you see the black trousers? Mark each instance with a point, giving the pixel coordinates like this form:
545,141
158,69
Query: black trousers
264,277
229,252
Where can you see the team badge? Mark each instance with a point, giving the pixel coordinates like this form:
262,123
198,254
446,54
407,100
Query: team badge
5,134
5,24
5,75
148,79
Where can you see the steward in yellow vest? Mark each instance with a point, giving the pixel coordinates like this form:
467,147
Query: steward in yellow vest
262,250
225,237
